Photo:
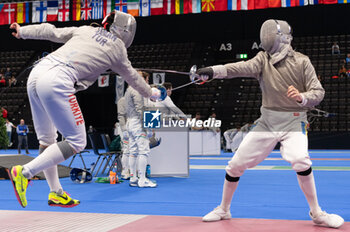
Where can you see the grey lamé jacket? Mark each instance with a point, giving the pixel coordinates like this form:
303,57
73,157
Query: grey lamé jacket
90,51
296,69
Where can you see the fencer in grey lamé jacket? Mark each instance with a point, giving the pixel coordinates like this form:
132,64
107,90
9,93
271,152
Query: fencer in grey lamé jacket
295,69
90,51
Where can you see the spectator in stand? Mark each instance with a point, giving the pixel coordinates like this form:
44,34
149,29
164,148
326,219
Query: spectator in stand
342,71
9,127
22,131
213,129
347,59
8,73
335,49
12,81
198,117
2,80
4,112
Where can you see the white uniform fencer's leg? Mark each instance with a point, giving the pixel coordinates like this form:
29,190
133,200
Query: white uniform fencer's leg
144,151
55,90
255,147
46,135
133,149
294,149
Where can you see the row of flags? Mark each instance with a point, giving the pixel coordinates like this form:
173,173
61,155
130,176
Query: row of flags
76,10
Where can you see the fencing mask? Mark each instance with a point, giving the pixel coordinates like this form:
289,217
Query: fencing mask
123,25
274,34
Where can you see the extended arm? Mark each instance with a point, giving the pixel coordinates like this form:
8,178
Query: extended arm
250,68
44,31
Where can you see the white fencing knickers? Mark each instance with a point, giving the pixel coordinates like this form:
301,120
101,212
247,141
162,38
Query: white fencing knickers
138,140
53,104
288,128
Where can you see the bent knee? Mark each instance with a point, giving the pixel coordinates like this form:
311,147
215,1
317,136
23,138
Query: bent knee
301,164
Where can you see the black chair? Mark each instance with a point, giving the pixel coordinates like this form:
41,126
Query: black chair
117,159
81,157
105,156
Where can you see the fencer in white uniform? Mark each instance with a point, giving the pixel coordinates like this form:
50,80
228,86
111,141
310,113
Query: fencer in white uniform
289,87
139,149
234,137
125,137
87,52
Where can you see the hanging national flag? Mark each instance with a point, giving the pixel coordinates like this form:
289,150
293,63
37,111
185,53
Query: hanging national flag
76,11
121,5
169,7
183,6
258,4
22,12
274,3
196,6
63,10
133,7
52,11
303,2
329,1
96,9
108,6
103,80
7,13
39,12
214,5
244,4
289,3
156,7
145,8
85,10
314,2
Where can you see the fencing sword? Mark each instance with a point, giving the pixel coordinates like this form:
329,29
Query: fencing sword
194,77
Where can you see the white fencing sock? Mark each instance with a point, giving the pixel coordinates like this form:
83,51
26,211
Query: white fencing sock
141,166
52,155
229,189
125,162
307,185
51,175
132,165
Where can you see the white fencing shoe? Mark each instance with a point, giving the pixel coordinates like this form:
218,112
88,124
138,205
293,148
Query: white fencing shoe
133,181
217,214
328,220
146,183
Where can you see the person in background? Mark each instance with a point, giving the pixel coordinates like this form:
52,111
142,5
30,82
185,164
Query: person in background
167,107
4,112
335,49
9,127
197,117
22,131
342,71
213,129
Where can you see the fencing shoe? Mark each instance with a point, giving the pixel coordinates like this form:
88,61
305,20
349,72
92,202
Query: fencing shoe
147,183
20,184
133,181
217,214
327,220
125,175
62,200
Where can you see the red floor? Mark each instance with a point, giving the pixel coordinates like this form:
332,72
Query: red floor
194,224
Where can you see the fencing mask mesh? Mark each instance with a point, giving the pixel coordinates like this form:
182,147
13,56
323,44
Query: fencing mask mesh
273,34
124,26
